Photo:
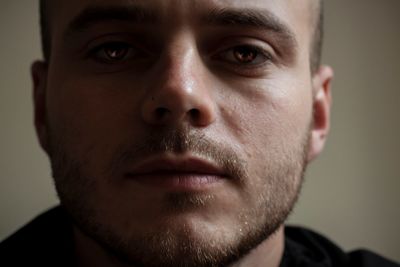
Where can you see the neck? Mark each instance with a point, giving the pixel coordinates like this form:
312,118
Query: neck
268,254
89,253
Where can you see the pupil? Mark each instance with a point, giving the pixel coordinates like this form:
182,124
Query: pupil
244,54
116,53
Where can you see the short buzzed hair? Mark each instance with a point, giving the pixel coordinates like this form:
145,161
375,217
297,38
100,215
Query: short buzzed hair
44,29
318,36
316,42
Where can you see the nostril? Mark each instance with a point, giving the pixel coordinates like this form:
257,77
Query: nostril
194,114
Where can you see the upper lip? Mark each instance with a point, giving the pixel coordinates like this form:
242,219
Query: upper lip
178,164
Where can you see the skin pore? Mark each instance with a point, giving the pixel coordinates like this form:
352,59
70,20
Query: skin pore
140,83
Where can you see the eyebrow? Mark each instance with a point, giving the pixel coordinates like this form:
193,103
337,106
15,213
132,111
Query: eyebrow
224,17
251,18
93,15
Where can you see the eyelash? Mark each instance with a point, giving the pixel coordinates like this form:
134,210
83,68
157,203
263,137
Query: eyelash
227,55
95,52
266,56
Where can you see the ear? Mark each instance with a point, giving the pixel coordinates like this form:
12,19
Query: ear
39,72
322,81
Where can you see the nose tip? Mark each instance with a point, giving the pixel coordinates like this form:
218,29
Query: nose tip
180,91
178,106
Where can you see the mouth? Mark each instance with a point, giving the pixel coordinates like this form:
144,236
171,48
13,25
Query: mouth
177,173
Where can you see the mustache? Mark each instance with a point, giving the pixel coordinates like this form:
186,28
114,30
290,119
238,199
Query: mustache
180,141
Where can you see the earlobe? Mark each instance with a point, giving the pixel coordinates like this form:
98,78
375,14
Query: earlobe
39,72
322,102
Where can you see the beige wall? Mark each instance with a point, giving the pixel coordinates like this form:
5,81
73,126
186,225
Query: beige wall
351,192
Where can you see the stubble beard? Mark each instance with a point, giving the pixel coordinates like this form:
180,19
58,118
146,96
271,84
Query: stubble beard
184,248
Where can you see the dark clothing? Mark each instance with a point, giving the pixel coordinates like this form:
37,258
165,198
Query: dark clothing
47,241
305,248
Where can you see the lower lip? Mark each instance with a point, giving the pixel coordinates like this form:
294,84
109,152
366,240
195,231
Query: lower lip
177,181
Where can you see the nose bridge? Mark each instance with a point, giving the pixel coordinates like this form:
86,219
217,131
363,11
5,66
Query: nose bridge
181,67
179,91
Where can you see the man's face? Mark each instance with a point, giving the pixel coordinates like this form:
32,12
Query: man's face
178,131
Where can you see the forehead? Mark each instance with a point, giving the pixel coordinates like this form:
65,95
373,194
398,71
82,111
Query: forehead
296,14
188,6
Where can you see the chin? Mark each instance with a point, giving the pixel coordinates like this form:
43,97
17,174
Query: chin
180,240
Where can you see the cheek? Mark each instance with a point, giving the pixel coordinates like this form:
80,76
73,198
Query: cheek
270,124
89,115
271,114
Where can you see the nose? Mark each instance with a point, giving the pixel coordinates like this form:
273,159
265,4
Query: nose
178,92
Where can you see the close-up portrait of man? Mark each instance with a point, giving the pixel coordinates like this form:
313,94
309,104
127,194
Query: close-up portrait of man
178,134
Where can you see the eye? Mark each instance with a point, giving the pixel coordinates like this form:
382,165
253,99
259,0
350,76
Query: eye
114,52
245,55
